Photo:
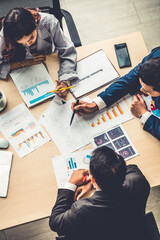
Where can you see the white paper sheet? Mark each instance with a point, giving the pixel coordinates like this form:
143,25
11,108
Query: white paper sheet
22,130
57,122
64,165
70,138
93,71
33,83
118,140
106,118
5,167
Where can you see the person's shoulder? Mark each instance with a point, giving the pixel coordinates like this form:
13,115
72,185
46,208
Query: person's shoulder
135,180
155,52
47,18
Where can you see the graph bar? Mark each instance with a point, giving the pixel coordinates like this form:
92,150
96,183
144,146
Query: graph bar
93,125
103,118
70,166
119,108
98,122
29,91
75,165
109,115
114,112
72,162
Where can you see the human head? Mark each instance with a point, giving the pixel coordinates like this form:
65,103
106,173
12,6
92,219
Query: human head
19,22
107,168
149,75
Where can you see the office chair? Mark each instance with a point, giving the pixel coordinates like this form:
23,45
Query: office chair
59,14
152,228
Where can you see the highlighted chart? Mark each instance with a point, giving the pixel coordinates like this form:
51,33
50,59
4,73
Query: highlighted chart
34,83
116,114
22,130
31,141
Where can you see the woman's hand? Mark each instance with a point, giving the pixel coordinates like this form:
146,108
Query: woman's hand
28,62
34,61
60,85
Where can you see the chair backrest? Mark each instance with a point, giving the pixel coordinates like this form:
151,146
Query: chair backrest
152,228
59,14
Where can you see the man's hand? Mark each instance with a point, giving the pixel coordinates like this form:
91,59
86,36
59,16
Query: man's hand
138,106
84,107
82,190
78,177
59,85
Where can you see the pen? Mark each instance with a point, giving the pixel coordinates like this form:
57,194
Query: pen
74,112
85,178
61,89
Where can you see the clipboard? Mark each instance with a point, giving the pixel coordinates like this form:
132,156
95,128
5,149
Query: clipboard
94,71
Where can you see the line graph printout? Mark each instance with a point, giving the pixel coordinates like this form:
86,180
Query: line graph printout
22,130
64,165
34,83
57,122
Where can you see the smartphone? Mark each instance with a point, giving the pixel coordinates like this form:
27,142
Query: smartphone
122,55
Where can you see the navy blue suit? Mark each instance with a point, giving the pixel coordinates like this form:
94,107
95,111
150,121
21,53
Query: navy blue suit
130,84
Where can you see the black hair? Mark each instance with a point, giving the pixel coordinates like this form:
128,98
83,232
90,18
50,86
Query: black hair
108,168
18,23
149,72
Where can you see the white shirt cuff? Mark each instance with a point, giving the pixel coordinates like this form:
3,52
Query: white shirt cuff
144,117
100,103
70,186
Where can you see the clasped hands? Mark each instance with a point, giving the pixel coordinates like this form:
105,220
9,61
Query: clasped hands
82,180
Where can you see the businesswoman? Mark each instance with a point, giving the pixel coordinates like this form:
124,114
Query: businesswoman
27,36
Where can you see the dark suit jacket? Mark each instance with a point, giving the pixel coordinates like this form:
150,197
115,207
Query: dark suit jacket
112,216
130,84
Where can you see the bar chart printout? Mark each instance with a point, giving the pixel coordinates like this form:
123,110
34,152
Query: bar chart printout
106,118
22,130
34,84
65,165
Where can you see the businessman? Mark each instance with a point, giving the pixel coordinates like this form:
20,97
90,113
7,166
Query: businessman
145,77
116,210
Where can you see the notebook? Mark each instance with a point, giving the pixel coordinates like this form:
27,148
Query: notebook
5,168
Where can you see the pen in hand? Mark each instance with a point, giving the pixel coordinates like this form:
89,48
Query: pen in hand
74,112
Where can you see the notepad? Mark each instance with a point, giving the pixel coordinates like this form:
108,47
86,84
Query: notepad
94,71
5,168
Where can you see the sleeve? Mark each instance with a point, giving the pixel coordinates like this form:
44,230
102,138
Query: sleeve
124,85
63,219
4,67
136,183
152,125
66,52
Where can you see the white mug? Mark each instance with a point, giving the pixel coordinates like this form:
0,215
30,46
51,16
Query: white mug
3,100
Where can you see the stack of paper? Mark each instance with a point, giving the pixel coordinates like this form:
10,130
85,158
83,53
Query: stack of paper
5,167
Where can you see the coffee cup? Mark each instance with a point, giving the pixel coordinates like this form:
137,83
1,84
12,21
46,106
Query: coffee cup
3,100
